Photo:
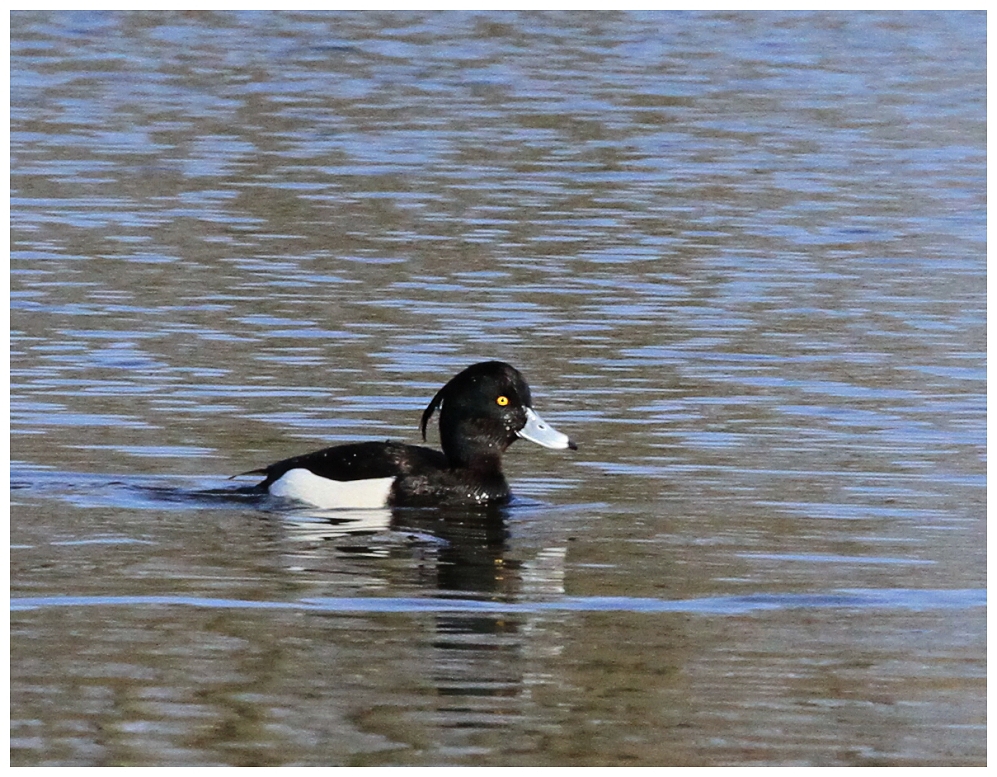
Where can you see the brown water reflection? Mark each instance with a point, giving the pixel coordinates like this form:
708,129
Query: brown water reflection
740,259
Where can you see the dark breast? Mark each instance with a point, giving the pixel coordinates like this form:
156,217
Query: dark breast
450,487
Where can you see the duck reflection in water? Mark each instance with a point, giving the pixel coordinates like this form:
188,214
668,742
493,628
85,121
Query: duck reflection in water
462,550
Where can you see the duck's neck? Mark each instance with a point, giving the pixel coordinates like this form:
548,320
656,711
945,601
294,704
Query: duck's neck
466,447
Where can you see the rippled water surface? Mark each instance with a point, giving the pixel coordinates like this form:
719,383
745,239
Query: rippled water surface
741,260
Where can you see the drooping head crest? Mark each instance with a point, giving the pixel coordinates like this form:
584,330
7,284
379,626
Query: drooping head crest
497,371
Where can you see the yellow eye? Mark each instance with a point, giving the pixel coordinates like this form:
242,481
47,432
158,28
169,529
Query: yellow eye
502,401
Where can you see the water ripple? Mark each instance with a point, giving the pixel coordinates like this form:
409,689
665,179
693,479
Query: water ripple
887,598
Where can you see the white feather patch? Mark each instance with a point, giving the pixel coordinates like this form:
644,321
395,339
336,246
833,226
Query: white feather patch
308,487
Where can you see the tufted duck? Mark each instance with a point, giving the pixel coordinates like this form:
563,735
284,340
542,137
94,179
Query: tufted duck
483,410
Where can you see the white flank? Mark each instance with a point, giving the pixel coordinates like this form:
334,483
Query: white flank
322,492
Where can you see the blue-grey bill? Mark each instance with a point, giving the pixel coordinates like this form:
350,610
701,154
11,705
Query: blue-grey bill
539,431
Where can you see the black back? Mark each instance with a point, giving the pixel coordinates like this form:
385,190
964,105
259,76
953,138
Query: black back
358,461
